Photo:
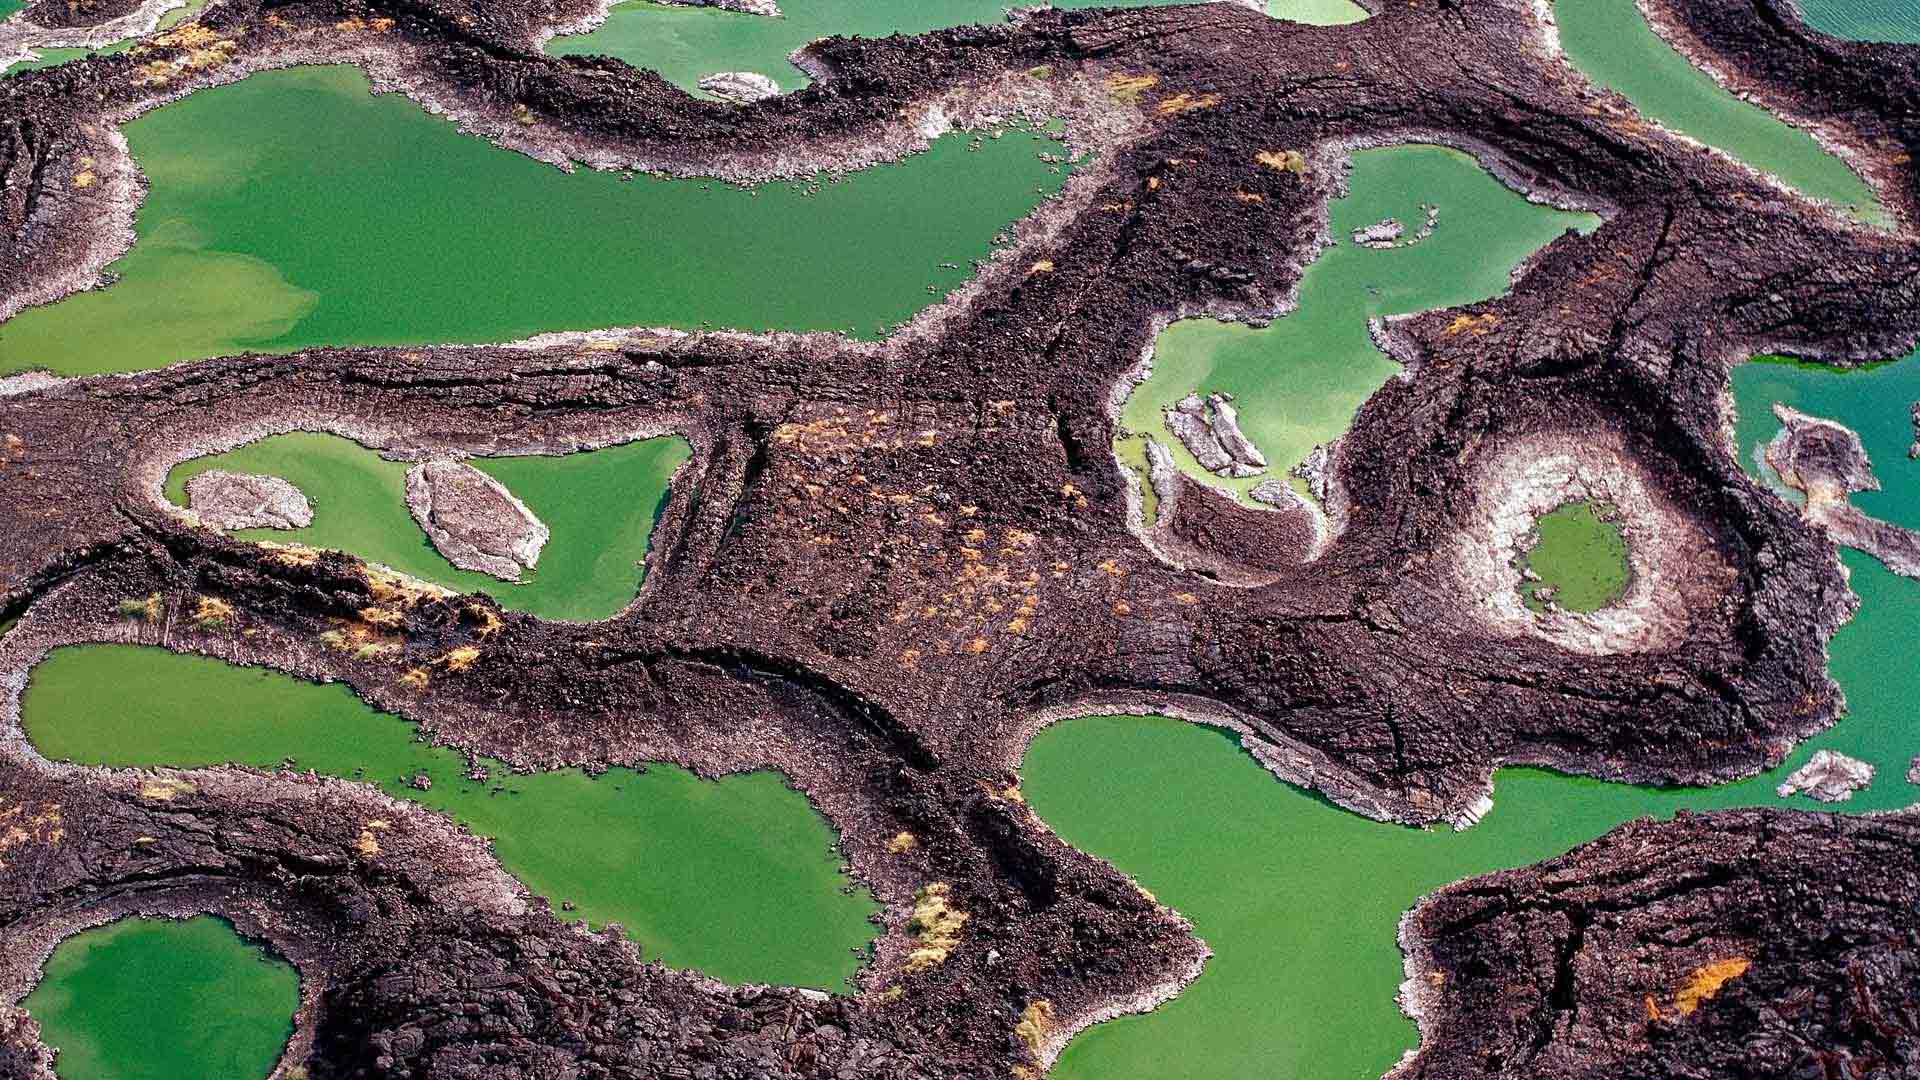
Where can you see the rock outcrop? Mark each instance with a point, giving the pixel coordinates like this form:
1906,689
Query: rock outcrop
1826,462
769,8
1210,430
474,520
230,500
740,87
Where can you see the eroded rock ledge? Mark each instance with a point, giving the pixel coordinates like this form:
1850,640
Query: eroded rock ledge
1751,943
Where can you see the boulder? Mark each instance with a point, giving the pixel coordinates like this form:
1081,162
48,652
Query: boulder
1828,777
740,87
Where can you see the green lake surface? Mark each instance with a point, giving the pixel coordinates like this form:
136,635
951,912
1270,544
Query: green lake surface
1301,900
155,999
1865,20
686,44
1298,382
1581,557
601,506
1611,42
737,877
294,209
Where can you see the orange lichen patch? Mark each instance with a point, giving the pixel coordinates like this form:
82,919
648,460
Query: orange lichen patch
977,646
383,617
460,659
1036,1023
935,924
1110,566
22,824
902,843
1706,981
1122,608
1128,88
1653,1008
490,623
415,679
187,35
153,73
390,587
1184,102
1044,266
1476,324
1117,207
1292,161
85,178
910,658
1153,183
1249,197
1187,597
363,641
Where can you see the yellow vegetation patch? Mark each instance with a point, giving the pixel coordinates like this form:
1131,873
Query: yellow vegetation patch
1476,324
490,623
386,618
416,679
935,924
1249,197
1706,981
166,789
1036,1023
1044,266
1128,88
391,586
84,178
902,842
1292,161
460,659
187,35
145,607
211,612
21,825
1184,102
291,554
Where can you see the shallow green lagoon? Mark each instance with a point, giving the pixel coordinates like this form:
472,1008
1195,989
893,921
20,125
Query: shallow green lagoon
294,209
1865,20
601,507
1298,382
1301,900
8,7
1611,42
1580,559
153,999
738,878
48,58
686,44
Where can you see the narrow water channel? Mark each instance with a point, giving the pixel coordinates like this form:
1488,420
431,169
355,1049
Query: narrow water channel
686,44
293,209
155,999
1298,382
1611,42
1301,900
737,877
601,506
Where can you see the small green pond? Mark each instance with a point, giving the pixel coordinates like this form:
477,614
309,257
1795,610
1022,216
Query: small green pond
1611,42
155,999
686,44
601,506
294,209
1301,900
738,878
1579,562
1298,382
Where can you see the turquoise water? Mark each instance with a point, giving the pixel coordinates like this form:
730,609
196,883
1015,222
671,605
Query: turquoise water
1865,20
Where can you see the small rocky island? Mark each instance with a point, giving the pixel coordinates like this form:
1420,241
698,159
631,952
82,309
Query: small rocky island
230,500
1210,430
1826,463
474,520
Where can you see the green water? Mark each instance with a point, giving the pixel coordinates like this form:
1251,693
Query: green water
1301,900
686,44
1581,558
600,506
1611,42
153,999
1865,20
1298,382
8,7
293,209
49,58
738,878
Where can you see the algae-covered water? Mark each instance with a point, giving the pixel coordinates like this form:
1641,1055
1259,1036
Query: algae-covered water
1611,42
1579,561
600,505
738,878
686,44
1298,382
1865,20
1301,900
153,999
294,209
